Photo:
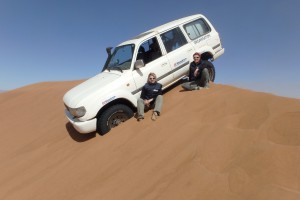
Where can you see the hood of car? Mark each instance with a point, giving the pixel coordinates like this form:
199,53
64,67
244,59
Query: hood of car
89,87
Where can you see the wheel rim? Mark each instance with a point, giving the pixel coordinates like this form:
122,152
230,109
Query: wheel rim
116,119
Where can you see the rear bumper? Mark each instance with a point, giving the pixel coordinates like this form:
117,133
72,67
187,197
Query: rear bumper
82,126
218,53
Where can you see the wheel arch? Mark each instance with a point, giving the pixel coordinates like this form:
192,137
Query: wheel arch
206,55
115,102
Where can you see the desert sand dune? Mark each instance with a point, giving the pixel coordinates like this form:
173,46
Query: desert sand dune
221,143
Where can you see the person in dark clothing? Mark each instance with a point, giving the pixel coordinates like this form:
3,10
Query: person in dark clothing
198,74
151,95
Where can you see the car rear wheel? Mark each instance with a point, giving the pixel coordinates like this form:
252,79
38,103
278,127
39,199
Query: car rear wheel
211,70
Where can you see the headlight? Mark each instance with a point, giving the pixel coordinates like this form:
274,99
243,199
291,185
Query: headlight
77,112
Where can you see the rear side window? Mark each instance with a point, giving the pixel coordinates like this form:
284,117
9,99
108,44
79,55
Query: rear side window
149,50
196,29
173,39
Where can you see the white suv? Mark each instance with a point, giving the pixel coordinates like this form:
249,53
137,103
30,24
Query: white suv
110,98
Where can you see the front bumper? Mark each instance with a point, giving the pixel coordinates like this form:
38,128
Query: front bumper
82,126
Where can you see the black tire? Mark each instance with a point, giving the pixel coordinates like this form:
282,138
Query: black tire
112,117
211,70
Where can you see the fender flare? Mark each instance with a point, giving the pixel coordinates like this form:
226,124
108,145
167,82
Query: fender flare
97,106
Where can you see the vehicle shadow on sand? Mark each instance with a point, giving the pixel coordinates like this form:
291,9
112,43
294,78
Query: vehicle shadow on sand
79,137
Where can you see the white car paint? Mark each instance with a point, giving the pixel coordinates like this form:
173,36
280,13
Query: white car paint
110,85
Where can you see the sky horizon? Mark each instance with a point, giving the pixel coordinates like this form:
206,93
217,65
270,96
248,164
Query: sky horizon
43,41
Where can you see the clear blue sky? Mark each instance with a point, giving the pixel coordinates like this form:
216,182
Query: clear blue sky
61,40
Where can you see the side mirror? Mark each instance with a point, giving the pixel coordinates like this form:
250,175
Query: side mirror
139,64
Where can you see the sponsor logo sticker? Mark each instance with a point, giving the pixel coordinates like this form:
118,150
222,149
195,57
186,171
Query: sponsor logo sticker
202,38
180,62
108,100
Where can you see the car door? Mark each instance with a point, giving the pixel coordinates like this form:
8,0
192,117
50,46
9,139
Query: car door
179,51
150,52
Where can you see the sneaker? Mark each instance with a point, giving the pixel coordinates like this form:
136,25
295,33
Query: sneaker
197,88
206,86
201,88
140,118
154,116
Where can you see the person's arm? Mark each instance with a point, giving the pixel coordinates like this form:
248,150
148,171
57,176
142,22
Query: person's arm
144,96
191,74
204,64
143,93
196,72
199,68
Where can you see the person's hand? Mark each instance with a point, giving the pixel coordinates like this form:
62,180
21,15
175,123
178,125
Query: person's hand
147,102
196,72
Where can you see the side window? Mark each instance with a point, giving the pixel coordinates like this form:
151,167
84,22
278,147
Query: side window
196,29
173,39
149,50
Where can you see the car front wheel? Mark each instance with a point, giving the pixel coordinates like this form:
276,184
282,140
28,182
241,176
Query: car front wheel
112,117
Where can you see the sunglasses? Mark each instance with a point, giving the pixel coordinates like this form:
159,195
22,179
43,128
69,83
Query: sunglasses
152,78
196,57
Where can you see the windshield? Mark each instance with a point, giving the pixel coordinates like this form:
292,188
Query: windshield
121,58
